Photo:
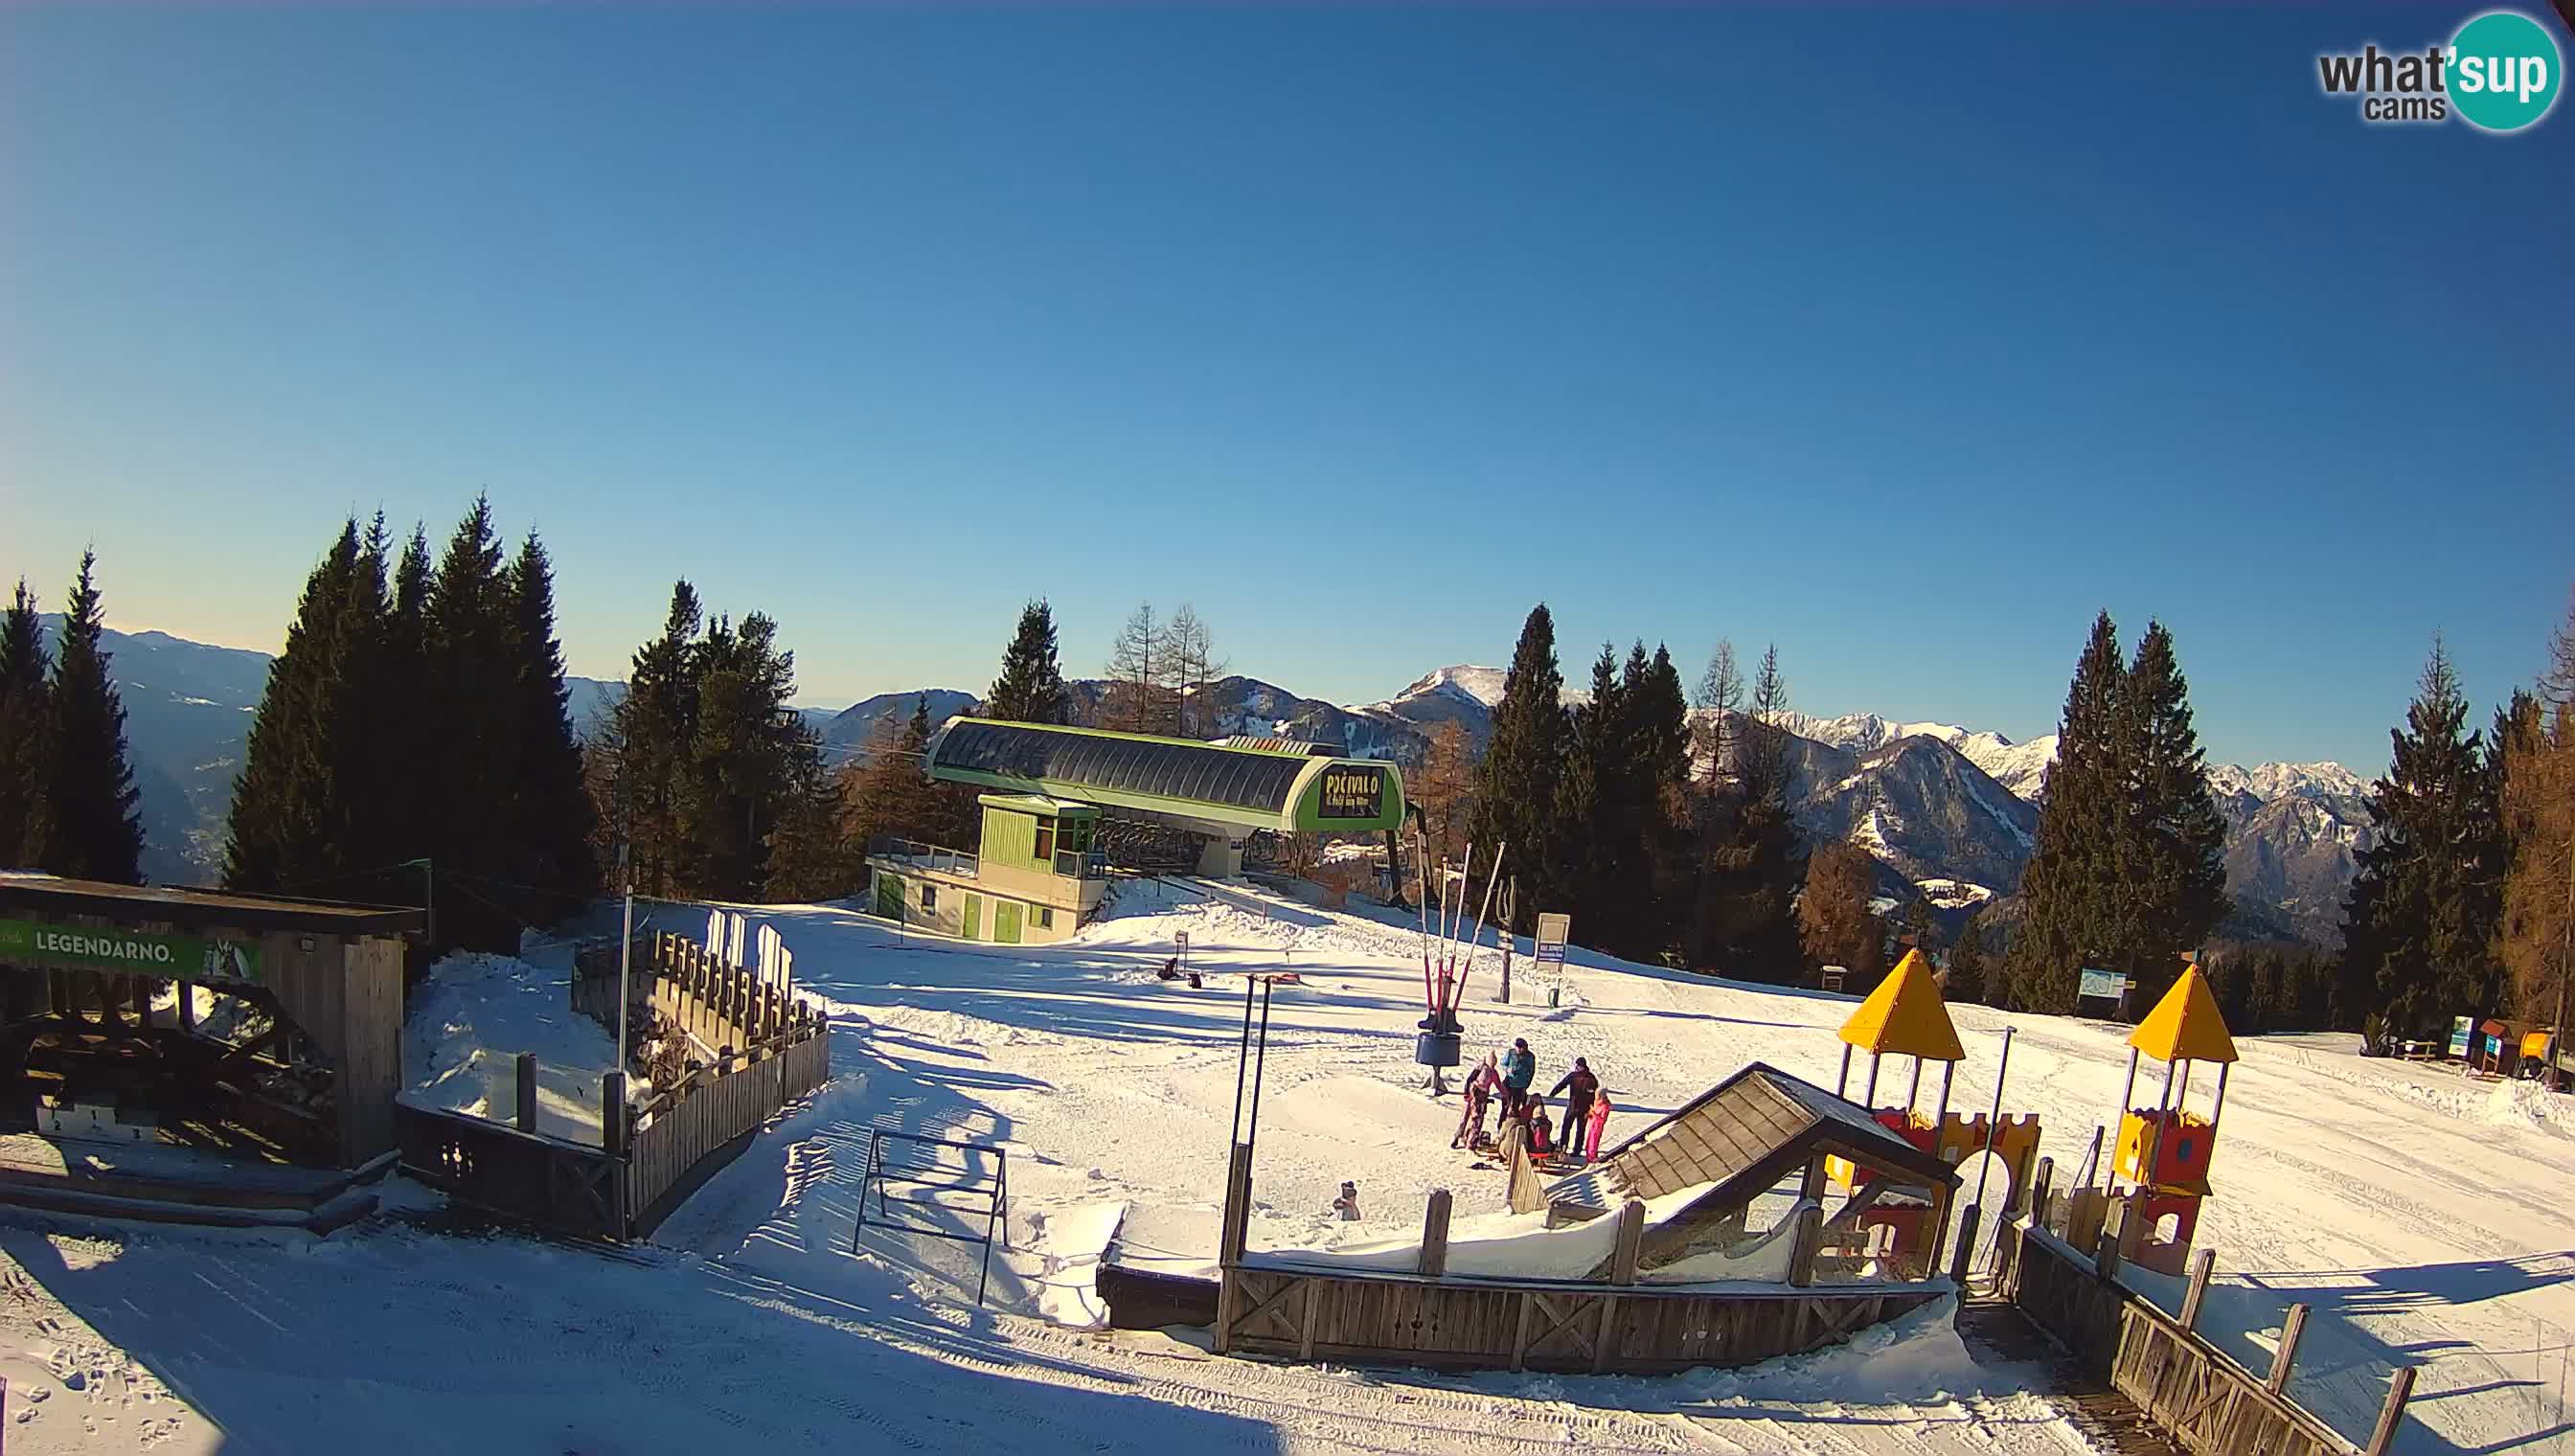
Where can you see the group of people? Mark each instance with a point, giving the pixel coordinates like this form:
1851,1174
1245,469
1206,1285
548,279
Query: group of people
1506,1079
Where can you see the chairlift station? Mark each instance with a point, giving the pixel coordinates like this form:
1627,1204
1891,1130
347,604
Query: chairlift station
1038,873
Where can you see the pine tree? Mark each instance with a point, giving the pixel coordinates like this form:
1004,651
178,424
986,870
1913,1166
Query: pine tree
1967,968
1836,926
288,815
886,793
2070,919
2170,890
739,757
1588,858
1031,687
2420,917
1657,760
2261,992
1766,769
650,731
23,717
407,724
472,667
1720,700
82,821
550,864
1746,920
809,859
1516,784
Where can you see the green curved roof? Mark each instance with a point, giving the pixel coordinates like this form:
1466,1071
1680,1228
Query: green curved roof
1212,784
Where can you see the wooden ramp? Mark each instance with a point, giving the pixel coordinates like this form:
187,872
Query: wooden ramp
1996,1333
164,1184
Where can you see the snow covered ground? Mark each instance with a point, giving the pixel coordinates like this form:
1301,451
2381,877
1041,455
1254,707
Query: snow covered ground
2423,1216
473,1017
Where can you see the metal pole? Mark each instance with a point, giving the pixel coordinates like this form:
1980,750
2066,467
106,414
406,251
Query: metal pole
1242,1058
1259,1058
1913,1090
625,977
1422,879
1869,1097
1995,1119
1841,1085
1496,879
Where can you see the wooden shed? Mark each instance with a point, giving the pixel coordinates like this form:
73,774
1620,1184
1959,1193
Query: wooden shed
234,1023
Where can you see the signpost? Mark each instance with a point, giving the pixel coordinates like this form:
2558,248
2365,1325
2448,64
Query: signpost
1553,930
172,957
2103,992
2462,1029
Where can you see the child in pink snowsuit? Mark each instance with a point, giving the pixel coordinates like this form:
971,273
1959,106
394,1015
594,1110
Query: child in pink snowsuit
1599,1118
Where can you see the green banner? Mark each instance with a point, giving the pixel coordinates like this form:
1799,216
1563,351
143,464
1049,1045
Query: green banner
172,957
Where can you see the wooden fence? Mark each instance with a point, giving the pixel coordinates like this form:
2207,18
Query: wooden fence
1432,1318
569,1188
722,1007
682,1135
768,1047
2187,1386
1493,1324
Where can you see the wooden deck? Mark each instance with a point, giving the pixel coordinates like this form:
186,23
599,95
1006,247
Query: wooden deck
167,1184
1996,1333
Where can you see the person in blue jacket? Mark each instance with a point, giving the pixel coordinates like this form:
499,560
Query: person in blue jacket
1519,1071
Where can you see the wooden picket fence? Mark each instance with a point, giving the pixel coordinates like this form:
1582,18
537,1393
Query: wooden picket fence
767,1046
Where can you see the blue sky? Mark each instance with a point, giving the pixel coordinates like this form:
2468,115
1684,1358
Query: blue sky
1905,341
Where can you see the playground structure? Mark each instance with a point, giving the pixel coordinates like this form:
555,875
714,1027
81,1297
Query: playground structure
2162,1155
1905,1016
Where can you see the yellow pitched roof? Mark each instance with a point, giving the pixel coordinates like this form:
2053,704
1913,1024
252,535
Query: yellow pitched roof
1905,1015
2186,1024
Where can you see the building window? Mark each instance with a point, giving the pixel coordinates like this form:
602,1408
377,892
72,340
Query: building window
1046,841
1046,917
928,897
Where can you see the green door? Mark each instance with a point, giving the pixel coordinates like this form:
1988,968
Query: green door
973,918
890,896
1005,922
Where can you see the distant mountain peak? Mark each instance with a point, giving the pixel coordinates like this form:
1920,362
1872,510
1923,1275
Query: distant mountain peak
1480,685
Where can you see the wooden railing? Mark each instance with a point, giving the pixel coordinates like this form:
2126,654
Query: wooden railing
682,1135
564,1186
764,1046
2187,1386
722,1007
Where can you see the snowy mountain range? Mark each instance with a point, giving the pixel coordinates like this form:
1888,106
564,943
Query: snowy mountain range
1947,810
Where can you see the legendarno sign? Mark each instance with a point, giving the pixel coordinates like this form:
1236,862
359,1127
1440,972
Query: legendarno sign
177,957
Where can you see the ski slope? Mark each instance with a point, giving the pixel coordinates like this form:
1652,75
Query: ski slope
2423,1216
